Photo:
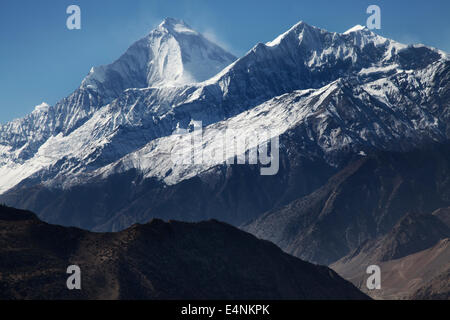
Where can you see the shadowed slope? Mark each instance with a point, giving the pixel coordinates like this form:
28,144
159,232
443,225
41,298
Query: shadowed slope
158,260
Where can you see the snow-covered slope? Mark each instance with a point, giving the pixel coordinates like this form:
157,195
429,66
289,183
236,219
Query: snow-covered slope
339,116
172,54
347,91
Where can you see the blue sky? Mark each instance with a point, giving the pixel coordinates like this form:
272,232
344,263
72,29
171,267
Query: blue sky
41,60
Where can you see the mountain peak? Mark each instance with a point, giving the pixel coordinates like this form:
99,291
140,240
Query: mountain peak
299,24
173,25
172,54
356,28
172,21
296,30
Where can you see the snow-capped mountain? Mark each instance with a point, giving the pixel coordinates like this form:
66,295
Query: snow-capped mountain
172,54
338,94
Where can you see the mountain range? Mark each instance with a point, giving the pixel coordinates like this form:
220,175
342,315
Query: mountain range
339,94
363,127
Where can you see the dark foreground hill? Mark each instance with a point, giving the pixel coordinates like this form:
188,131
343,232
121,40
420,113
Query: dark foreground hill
158,260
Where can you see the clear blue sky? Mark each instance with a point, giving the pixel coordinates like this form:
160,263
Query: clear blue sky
41,60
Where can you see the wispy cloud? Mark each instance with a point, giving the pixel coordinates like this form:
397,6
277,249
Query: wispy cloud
212,36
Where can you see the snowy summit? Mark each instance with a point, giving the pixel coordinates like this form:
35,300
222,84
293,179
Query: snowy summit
358,27
171,55
41,107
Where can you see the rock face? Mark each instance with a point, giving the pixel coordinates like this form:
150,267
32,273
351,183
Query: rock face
171,56
158,260
364,201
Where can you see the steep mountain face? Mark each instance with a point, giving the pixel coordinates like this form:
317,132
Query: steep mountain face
328,96
158,260
363,202
172,54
